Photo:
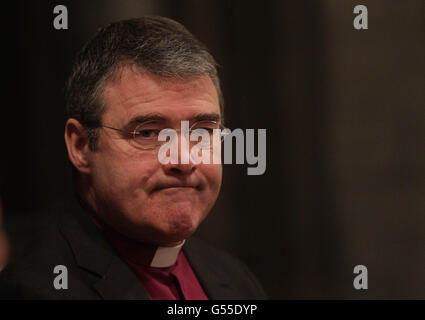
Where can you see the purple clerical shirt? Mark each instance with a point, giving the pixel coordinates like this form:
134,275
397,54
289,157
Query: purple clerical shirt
175,280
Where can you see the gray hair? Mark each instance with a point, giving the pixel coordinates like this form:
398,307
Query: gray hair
158,45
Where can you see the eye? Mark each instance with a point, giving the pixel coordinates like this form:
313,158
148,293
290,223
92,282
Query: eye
146,133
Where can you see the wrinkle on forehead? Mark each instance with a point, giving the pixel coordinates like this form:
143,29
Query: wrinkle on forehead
136,83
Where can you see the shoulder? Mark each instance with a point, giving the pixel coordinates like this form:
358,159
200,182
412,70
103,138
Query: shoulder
215,265
37,248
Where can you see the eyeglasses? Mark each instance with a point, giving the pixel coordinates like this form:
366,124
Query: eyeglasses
147,135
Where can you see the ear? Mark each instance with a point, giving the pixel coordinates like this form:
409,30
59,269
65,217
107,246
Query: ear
77,143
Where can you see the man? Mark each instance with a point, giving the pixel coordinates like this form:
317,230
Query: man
129,235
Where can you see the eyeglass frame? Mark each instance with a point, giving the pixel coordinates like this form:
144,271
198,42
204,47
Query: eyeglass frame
134,132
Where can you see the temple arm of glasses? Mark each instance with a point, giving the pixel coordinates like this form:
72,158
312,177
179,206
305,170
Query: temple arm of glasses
120,130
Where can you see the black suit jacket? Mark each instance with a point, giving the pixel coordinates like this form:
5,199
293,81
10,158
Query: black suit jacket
95,271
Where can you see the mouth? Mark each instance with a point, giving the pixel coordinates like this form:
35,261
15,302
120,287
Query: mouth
175,187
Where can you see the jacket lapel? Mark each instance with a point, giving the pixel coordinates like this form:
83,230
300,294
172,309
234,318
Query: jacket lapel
114,279
213,280
119,283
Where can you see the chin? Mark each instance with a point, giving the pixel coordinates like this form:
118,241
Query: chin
179,227
167,225
182,228
172,237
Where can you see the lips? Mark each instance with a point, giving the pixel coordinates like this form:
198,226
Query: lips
175,185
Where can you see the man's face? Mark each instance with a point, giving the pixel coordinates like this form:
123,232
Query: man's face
130,190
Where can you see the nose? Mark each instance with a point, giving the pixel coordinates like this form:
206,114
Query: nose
179,161
179,169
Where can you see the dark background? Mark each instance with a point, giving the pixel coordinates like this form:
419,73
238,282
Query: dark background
344,113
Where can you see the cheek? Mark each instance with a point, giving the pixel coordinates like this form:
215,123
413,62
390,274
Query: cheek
213,176
121,175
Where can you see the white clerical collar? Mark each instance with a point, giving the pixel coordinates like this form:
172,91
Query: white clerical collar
166,256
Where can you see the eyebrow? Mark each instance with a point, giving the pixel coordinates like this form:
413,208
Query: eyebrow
161,118
206,117
145,118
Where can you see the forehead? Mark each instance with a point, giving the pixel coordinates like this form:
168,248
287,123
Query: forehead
135,93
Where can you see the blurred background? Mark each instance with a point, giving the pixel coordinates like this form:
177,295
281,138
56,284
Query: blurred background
345,120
